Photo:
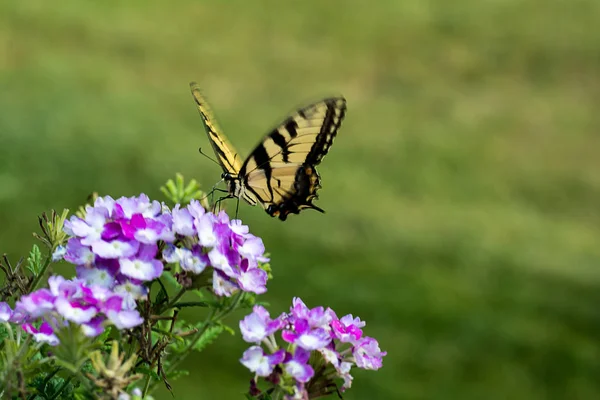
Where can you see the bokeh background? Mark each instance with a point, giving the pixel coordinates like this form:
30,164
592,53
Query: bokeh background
462,193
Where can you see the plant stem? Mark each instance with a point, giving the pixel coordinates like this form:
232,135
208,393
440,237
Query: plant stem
173,300
39,276
146,386
208,322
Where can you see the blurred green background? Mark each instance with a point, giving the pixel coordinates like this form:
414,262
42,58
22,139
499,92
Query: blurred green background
462,193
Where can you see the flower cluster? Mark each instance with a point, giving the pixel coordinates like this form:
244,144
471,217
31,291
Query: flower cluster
338,343
91,307
116,245
119,246
225,245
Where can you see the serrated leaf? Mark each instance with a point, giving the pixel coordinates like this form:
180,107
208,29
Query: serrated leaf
34,261
228,329
178,374
209,336
147,371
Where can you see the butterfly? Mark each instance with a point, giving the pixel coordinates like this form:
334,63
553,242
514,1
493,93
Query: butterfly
280,172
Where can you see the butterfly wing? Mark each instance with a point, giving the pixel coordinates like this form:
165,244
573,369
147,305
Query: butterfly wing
280,172
227,157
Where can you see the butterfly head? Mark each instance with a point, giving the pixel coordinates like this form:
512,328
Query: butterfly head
234,183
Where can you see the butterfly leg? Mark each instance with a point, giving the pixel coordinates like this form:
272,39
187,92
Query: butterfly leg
218,203
212,192
237,207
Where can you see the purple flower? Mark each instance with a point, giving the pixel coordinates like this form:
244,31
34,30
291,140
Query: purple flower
120,237
121,317
219,260
297,365
36,304
115,248
238,228
347,329
306,331
94,327
88,306
59,286
254,280
90,229
131,290
196,210
194,261
256,326
96,277
222,284
260,363
344,372
59,253
150,231
367,354
317,317
211,240
5,312
75,310
205,227
43,334
143,270
253,247
305,337
183,222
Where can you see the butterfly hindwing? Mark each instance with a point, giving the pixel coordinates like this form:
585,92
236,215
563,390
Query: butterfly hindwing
280,171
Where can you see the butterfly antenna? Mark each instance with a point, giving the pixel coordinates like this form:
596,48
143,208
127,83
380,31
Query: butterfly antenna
207,156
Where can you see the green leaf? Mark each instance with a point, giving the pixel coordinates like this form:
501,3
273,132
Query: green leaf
34,261
179,193
209,336
178,374
147,371
171,279
184,304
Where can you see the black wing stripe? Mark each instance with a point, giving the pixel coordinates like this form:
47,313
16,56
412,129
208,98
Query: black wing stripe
300,142
261,159
291,128
331,123
280,141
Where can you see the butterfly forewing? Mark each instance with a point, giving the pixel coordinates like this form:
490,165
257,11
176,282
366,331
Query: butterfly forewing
227,157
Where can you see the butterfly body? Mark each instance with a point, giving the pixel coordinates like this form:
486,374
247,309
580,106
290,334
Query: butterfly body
280,172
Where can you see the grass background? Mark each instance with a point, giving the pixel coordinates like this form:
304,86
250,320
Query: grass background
462,193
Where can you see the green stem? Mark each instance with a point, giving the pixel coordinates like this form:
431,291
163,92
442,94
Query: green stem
39,276
173,301
210,319
146,386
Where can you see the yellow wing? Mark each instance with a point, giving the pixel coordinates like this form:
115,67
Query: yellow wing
280,172
226,155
